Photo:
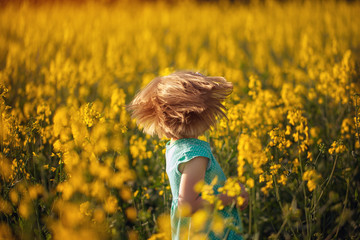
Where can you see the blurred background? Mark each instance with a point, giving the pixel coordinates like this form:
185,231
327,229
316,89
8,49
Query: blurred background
74,165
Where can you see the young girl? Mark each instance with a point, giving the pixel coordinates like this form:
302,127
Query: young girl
182,106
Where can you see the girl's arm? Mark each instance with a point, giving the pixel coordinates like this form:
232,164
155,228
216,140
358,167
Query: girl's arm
193,172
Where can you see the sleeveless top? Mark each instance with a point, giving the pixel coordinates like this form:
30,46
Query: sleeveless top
181,151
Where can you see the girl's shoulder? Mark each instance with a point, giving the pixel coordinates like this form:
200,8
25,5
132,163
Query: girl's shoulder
188,148
187,143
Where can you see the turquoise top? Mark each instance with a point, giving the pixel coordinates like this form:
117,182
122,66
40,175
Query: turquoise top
181,151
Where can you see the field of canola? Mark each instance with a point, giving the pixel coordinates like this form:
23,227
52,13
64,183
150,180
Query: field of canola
73,165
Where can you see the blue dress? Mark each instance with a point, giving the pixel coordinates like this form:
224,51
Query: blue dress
181,151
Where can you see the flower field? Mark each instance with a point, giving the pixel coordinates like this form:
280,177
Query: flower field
73,165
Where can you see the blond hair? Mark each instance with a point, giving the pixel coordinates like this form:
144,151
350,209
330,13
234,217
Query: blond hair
181,105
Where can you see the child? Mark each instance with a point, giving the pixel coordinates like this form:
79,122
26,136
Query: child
182,106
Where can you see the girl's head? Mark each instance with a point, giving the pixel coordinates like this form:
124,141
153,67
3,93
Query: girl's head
181,105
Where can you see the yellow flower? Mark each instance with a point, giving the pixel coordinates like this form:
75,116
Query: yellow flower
202,137
5,167
231,187
199,220
5,232
99,215
131,213
314,132
337,147
98,189
309,156
138,148
85,208
164,224
282,180
274,169
261,178
111,204
217,224
288,130
5,206
250,149
184,210
296,136
24,209
133,235
240,200
206,190
89,114
312,177
126,194
14,196
311,185
35,191
250,182
157,236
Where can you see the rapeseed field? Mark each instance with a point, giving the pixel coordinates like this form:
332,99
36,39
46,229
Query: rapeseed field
73,165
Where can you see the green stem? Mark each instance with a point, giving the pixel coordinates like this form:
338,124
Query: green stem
250,215
241,222
255,215
317,157
356,119
331,174
277,193
2,131
164,186
342,212
37,221
281,228
305,197
281,207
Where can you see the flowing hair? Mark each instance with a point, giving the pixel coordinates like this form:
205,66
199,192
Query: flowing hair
181,105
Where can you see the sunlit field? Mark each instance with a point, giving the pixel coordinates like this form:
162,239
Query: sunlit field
73,165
